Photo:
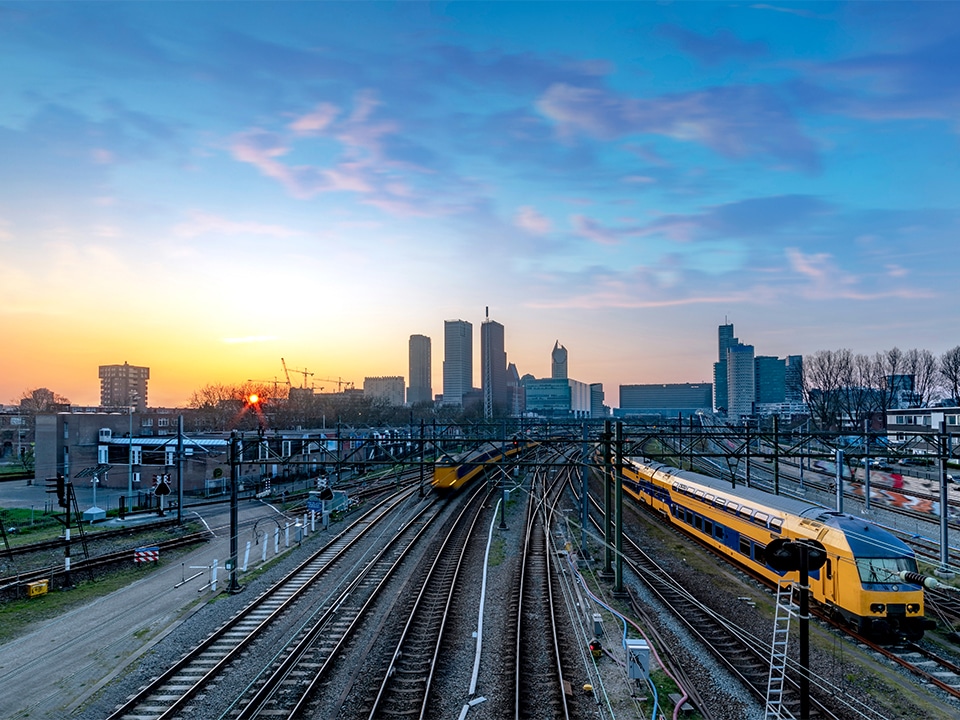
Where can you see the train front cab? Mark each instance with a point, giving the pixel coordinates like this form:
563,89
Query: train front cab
860,581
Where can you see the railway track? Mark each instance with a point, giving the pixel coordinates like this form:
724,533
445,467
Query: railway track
743,653
406,681
171,694
286,688
538,671
57,575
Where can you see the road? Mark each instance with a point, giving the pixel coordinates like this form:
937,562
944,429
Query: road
52,670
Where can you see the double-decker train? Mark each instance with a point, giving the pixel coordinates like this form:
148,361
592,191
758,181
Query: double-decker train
451,474
861,582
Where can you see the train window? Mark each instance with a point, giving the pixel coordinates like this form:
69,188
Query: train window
718,532
762,518
745,545
708,526
829,569
689,517
699,494
698,522
677,511
884,570
746,512
759,555
732,507
776,524
709,498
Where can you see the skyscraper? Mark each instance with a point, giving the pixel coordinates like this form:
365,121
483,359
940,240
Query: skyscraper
420,389
740,381
558,362
769,379
493,370
725,340
124,386
457,361
793,379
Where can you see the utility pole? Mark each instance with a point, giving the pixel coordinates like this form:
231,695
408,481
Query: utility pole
180,470
235,449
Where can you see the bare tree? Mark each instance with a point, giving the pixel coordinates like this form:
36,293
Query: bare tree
890,364
41,400
823,376
948,367
923,367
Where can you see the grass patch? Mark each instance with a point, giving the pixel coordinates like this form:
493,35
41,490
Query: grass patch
18,617
497,550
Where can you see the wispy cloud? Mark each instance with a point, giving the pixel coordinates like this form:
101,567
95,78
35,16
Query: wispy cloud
721,46
201,223
531,221
736,121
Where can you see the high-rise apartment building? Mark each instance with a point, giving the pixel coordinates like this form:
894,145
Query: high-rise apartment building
558,362
457,361
493,369
597,408
388,390
124,386
741,373
769,379
420,388
793,379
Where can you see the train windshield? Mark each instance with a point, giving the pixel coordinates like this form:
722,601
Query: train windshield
884,570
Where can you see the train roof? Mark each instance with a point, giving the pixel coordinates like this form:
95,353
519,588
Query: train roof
784,503
864,538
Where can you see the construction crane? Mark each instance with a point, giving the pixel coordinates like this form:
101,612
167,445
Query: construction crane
339,381
275,382
287,373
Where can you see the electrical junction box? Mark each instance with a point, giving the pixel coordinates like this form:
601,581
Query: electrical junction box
597,625
638,660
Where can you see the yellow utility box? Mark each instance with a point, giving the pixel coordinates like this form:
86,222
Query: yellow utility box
37,588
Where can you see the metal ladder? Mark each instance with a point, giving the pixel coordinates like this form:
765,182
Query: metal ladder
778,657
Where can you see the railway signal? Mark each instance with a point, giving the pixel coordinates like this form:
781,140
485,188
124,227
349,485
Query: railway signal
58,485
802,555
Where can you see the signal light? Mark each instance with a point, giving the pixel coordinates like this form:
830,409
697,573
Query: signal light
58,485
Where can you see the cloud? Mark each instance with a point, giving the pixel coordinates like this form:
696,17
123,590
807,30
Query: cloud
714,49
763,218
316,121
826,281
593,230
734,121
201,223
914,83
531,221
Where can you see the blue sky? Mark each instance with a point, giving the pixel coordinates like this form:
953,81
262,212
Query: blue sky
204,188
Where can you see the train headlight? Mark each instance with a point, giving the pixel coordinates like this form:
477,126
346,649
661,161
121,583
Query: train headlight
913,607
877,607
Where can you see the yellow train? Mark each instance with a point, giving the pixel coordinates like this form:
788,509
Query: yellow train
451,474
860,583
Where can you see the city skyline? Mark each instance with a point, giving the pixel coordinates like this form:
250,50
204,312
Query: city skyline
203,189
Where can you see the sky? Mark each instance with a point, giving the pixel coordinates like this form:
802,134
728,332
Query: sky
206,188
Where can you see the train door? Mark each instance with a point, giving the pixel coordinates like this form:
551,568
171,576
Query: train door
828,579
